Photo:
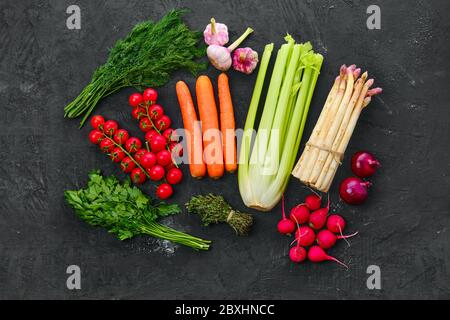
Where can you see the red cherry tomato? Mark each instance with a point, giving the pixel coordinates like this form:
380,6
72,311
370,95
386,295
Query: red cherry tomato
138,113
135,99
145,124
148,160
121,136
155,112
176,149
150,95
170,135
133,144
138,176
164,191
106,145
139,154
170,166
97,122
164,157
174,176
117,154
127,165
110,127
156,172
163,123
157,143
95,136
149,135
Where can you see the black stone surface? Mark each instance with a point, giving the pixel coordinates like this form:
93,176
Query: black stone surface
404,226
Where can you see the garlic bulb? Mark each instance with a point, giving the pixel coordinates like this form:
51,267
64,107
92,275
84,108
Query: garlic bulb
220,57
245,60
216,33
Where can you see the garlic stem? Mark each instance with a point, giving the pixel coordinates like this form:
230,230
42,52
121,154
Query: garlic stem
213,26
235,44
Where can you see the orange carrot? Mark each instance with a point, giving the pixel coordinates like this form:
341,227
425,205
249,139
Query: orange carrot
193,132
227,124
212,141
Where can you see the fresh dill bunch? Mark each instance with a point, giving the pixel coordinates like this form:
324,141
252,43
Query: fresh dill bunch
145,57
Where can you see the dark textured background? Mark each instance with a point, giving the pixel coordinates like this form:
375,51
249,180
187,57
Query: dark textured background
404,226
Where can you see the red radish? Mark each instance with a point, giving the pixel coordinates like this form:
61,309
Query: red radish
326,239
299,214
297,254
305,236
313,201
364,164
318,218
335,223
317,254
353,190
285,226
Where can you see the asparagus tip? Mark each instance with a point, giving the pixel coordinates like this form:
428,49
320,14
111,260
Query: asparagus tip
365,75
370,82
366,101
374,91
352,67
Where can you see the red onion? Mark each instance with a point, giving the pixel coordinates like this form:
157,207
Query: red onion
353,190
364,164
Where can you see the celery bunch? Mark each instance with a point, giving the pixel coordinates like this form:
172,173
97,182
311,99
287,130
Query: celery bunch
266,160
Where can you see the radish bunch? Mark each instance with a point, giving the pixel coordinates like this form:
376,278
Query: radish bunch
314,230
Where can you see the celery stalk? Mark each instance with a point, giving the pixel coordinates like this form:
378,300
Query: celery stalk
281,126
274,147
245,149
258,154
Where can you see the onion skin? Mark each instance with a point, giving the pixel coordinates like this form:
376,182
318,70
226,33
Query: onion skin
353,190
364,164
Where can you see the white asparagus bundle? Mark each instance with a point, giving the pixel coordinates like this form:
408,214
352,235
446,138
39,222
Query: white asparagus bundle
325,149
